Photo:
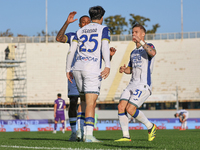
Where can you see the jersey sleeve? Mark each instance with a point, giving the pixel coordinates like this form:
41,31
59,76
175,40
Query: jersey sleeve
106,34
68,37
130,64
75,39
151,45
70,55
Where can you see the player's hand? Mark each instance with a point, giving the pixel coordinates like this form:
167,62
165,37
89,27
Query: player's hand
105,73
122,69
136,39
69,77
70,18
112,51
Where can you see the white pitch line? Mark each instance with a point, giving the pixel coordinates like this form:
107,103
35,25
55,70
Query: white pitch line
52,148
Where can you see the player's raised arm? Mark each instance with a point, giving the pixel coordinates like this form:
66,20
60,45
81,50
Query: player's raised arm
149,49
61,34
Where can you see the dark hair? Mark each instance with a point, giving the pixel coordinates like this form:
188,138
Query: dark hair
96,12
140,26
83,17
59,95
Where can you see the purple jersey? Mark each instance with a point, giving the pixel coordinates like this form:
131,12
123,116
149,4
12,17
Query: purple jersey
60,105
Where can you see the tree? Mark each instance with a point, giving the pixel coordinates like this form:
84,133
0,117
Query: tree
142,20
43,33
6,34
116,24
155,27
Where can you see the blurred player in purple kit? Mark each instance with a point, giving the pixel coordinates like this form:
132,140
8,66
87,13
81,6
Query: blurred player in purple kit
59,113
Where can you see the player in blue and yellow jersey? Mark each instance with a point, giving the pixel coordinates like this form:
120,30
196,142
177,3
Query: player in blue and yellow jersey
139,87
73,93
92,42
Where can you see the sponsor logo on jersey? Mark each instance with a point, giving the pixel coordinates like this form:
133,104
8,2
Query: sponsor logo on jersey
87,58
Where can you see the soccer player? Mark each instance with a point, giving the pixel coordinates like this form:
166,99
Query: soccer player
183,116
73,93
139,88
92,42
59,107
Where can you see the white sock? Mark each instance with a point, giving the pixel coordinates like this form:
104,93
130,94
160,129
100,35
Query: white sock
72,122
143,119
84,129
80,120
89,130
123,120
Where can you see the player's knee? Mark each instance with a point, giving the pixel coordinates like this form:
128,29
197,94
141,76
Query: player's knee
121,108
73,102
131,109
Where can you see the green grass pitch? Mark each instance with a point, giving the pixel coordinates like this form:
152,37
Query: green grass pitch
165,140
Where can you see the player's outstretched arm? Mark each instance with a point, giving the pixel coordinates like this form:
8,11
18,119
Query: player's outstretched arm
150,50
61,34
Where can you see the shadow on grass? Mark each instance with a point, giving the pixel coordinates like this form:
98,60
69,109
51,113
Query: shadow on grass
39,139
128,147
116,139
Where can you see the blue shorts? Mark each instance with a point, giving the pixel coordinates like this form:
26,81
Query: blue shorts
72,89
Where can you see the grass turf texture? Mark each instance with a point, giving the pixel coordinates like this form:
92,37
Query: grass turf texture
165,140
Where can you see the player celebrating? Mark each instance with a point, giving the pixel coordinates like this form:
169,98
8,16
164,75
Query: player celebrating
183,116
139,88
92,42
73,93
59,107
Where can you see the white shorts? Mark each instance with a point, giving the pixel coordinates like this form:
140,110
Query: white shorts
135,97
87,82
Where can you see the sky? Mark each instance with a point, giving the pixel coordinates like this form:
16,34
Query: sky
28,17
